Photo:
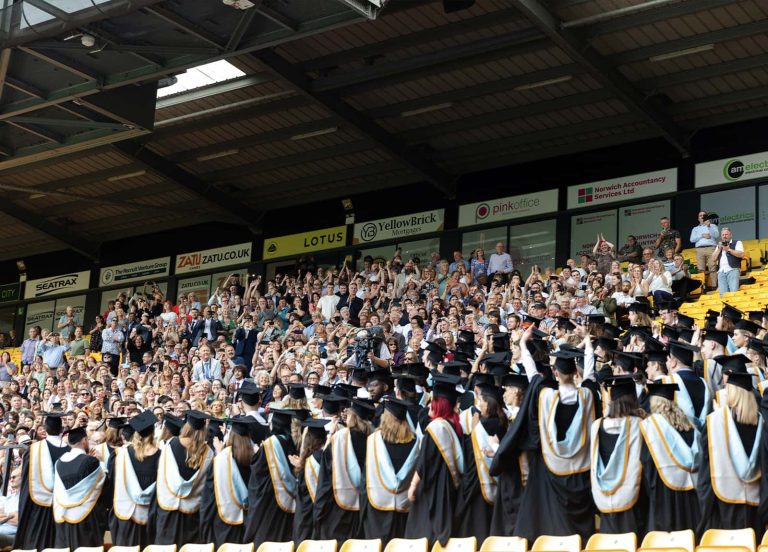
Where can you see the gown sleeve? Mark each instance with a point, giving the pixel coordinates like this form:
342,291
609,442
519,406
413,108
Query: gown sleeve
208,508
703,485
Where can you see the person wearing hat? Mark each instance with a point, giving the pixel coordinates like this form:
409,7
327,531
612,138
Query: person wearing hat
557,422
79,507
477,494
390,462
113,440
730,462
615,469
743,331
225,497
439,467
171,428
340,483
756,353
36,529
669,455
184,460
306,466
733,363
713,345
272,484
693,396
133,475
514,386
249,397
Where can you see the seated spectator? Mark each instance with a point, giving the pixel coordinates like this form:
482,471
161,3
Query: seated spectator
9,509
657,282
631,251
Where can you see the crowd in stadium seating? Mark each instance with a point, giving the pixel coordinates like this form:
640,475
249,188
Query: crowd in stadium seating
344,345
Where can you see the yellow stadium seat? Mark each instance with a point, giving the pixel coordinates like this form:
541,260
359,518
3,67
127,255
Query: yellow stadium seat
136,548
229,547
504,544
407,545
99,548
571,543
610,541
468,544
275,547
56,549
160,548
358,545
317,546
24,550
675,541
197,547
736,540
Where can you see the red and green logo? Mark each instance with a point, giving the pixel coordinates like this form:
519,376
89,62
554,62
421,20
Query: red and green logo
585,195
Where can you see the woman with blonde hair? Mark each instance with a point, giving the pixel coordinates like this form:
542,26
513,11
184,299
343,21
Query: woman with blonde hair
181,477
306,466
730,463
669,455
133,473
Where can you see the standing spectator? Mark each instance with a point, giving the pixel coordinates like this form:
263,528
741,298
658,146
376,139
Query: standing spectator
98,327
327,304
631,251
479,267
7,368
244,341
78,344
68,322
29,346
111,342
53,351
705,236
500,263
208,368
604,254
458,259
729,254
668,238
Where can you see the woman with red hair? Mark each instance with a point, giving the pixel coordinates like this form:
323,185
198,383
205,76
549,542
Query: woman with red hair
439,467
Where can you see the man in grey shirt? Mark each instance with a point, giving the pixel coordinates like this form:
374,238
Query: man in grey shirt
68,322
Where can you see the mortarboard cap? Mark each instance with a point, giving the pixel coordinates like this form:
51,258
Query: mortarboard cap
651,343
639,306
621,387
610,331
748,326
565,361
606,343
297,390
316,426
480,378
320,391
514,380
627,361
445,386
740,379
365,408
196,419
415,369
655,356
53,422
682,351
500,341
116,422
382,374
670,332
565,324
755,316
685,321
757,345
75,435
663,390
731,313
144,423
333,403
397,407
733,363
173,423
718,336
241,425
454,367
686,334
359,374
667,306
406,383
249,392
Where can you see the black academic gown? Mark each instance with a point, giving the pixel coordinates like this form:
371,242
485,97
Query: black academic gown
716,514
431,515
633,520
473,512
128,532
379,524
36,529
173,526
303,518
265,520
212,527
90,530
553,504
668,510
331,521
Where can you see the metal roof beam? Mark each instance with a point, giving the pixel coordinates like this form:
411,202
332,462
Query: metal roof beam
214,89
38,131
54,231
185,25
151,160
276,17
652,85
5,61
65,63
303,84
601,69
243,25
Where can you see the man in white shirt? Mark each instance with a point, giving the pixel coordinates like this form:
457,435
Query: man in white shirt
9,510
500,262
704,237
623,298
208,368
327,303
729,253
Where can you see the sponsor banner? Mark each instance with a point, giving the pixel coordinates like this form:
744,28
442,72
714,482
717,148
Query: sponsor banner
763,211
507,208
40,314
732,170
642,221
10,292
399,227
133,272
623,188
200,286
305,242
57,285
531,244
214,258
585,228
735,209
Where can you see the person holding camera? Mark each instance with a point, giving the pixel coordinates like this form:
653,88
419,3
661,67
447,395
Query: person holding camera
668,238
728,254
704,237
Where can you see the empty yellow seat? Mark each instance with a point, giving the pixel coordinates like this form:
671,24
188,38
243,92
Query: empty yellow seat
735,540
468,544
317,546
677,541
626,542
359,545
407,545
230,547
571,543
189,547
276,547
504,544
101,548
136,548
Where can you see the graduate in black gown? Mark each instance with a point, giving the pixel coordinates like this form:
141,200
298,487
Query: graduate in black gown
730,467
133,477
435,484
340,483
272,484
669,458
307,469
184,461
113,440
390,461
616,471
477,494
225,497
36,529
79,507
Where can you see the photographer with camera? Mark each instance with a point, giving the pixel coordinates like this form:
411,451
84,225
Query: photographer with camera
728,254
668,238
370,350
705,236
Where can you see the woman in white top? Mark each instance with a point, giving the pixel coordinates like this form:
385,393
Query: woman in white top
636,281
658,282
